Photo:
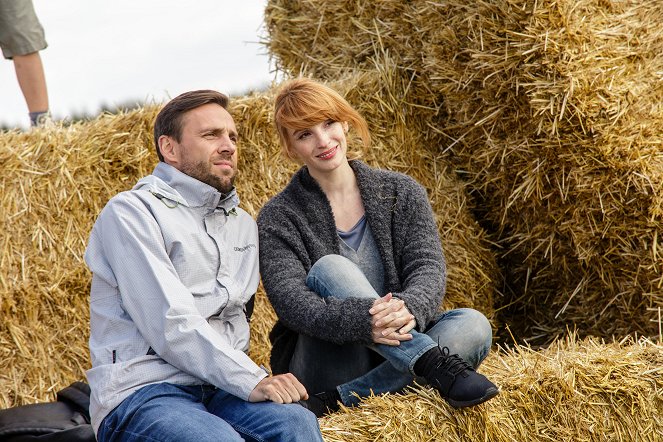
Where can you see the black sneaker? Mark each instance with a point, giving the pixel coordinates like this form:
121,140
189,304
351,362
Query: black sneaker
322,403
455,379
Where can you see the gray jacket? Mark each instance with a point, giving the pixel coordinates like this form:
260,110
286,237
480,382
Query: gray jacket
297,228
173,266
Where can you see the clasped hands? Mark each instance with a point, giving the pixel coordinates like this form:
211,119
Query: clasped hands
391,321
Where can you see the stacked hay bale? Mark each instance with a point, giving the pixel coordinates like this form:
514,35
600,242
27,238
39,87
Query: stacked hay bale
57,181
551,111
571,391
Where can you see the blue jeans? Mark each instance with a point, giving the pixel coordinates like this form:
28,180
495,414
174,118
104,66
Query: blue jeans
353,368
201,413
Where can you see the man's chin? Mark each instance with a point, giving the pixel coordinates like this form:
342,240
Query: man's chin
223,185
223,182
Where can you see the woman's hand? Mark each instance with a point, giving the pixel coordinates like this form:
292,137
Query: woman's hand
391,321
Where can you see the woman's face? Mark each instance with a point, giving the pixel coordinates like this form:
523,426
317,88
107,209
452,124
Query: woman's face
322,147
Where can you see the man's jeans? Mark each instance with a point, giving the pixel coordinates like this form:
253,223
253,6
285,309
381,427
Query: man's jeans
352,368
201,413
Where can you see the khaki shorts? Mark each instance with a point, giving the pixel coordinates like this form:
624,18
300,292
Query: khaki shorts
20,30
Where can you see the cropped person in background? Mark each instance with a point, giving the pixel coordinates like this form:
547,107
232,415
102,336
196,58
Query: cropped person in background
352,263
174,266
21,39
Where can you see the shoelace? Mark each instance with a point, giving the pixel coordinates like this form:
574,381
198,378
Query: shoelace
453,364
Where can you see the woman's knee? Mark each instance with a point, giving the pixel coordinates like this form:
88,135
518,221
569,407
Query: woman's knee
337,276
333,265
479,327
466,332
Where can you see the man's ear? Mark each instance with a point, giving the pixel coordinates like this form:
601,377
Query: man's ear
168,148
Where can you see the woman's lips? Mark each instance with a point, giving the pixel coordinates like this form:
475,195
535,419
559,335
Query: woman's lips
328,154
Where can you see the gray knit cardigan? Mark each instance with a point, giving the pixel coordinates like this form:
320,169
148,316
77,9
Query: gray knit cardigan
297,228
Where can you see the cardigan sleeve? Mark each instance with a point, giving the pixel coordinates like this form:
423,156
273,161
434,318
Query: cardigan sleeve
284,264
419,255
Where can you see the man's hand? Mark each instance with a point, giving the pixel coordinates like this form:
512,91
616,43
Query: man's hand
391,321
282,389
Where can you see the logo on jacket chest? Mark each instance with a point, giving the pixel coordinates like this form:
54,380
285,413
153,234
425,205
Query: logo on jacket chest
245,248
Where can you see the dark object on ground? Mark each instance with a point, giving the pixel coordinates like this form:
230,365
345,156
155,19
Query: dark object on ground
66,420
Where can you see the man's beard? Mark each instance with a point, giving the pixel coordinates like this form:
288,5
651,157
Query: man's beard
201,172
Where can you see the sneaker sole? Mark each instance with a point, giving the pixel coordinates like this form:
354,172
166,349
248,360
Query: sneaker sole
490,393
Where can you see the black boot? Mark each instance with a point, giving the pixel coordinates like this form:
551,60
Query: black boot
454,378
322,403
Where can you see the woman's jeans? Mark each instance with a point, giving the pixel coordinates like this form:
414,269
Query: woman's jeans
352,368
201,413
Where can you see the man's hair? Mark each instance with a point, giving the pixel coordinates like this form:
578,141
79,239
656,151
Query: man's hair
169,119
303,103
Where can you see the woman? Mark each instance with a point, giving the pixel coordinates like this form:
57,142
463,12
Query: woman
352,263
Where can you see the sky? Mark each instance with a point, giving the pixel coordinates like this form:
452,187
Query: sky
116,52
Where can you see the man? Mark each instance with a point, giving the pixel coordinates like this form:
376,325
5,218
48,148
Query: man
21,39
174,263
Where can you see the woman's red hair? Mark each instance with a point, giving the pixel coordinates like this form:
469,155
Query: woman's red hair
303,103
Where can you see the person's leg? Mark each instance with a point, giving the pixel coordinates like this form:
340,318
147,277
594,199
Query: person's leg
166,412
334,275
384,378
465,332
321,365
21,38
31,79
265,421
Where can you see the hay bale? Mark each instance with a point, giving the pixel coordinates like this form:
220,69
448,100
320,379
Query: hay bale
57,181
552,111
566,151
574,390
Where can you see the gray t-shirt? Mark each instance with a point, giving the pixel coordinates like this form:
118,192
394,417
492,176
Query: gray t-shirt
359,246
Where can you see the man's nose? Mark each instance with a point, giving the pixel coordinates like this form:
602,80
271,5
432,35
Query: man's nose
226,145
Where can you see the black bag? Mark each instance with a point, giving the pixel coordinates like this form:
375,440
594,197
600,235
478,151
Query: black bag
66,420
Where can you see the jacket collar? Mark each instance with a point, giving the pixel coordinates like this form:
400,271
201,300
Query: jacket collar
180,188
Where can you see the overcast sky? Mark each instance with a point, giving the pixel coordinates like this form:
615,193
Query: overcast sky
113,52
